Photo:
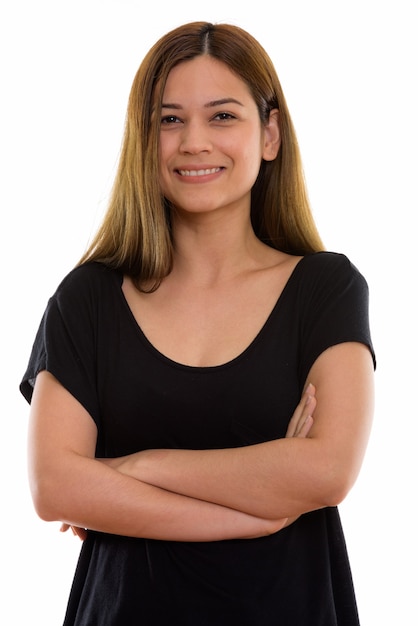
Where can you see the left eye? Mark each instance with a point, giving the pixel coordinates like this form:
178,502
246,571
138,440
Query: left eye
224,116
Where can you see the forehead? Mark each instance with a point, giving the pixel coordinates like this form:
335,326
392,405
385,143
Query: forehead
201,79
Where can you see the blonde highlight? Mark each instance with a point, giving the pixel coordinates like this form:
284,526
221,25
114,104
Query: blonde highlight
135,234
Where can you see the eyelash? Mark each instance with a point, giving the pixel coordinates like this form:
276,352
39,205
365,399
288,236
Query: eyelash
169,119
223,117
226,116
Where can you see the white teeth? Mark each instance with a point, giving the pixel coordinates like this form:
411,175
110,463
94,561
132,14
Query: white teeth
213,170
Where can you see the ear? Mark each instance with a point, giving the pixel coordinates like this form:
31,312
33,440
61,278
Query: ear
272,137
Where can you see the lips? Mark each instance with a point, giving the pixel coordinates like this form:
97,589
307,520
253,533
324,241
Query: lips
202,172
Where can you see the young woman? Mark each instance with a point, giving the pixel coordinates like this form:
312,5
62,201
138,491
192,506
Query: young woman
201,384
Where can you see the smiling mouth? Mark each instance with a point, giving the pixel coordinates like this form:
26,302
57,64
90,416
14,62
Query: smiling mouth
205,172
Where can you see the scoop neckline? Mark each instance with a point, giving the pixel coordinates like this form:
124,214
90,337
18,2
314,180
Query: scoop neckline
210,368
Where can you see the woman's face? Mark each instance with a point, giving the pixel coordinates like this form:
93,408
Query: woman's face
211,139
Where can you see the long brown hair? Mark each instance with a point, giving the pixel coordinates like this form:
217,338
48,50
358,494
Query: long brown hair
135,234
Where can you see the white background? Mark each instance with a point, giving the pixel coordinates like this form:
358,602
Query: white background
349,72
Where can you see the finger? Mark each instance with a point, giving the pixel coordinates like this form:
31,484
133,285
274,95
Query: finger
294,420
303,431
306,420
77,532
300,416
80,532
302,411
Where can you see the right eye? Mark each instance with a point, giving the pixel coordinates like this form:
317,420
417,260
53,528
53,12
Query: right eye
170,119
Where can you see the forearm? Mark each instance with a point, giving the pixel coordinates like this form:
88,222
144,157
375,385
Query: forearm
108,501
69,485
284,477
263,480
244,479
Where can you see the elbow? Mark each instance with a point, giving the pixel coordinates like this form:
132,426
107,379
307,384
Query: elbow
337,483
45,500
45,515
337,490
44,508
335,495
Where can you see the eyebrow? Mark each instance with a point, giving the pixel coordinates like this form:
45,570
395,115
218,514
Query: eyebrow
208,105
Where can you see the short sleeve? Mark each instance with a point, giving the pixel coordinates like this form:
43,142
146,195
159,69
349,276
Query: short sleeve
65,342
336,308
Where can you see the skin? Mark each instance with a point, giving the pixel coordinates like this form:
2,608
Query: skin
210,125
210,121
285,477
299,426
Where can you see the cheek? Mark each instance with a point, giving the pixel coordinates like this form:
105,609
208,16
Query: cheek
252,158
168,145
163,159
162,153
250,148
163,180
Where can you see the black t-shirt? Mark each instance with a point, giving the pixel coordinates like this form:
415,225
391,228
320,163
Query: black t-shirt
89,340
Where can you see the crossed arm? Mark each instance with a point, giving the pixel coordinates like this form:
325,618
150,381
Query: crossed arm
205,495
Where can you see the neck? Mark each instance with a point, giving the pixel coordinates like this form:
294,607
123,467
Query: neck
210,249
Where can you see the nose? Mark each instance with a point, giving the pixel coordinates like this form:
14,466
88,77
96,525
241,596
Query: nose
195,138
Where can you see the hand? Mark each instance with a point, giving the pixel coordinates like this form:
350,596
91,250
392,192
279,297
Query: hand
301,423
77,532
302,420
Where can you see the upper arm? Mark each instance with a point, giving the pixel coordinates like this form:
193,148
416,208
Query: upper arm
70,485
59,428
343,376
